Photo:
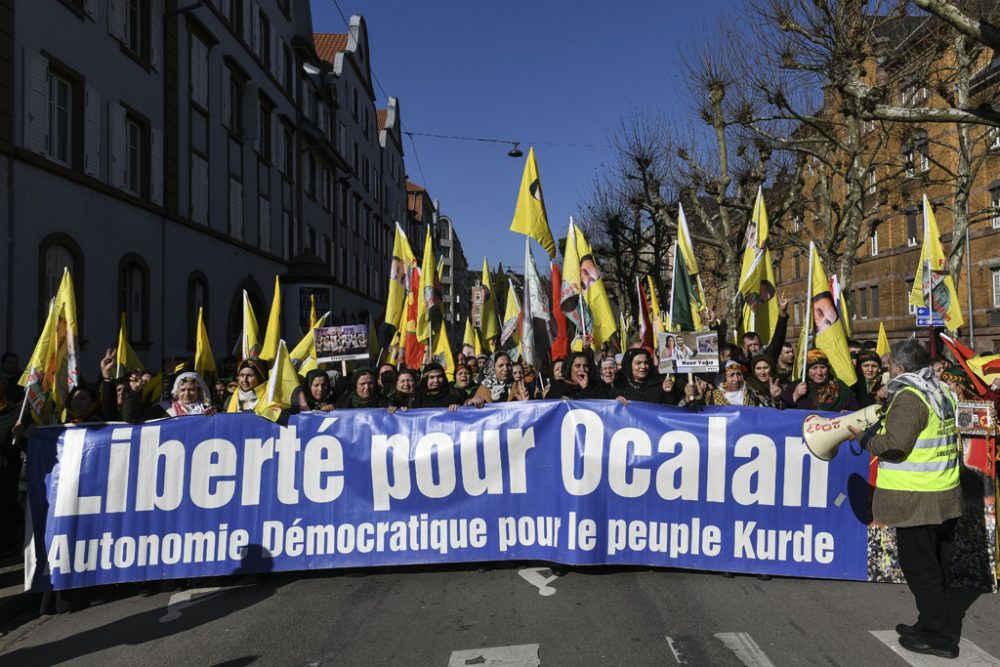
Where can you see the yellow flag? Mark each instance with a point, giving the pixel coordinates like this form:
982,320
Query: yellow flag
126,359
757,276
686,247
442,352
489,327
312,311
154,388
933,279
987,367
826,321
511,318
273,332
39,358
281,382
654,307
399,279
304,354
594,293
249,343
429,299
472,337
204,360
882,348
529,214
62,372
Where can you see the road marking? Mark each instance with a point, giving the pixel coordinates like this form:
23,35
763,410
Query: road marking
534,576
677,654
183,600
969,655
524,655
745,648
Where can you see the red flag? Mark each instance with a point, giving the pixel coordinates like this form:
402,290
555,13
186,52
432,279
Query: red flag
643,320
560,344
963,354
413,356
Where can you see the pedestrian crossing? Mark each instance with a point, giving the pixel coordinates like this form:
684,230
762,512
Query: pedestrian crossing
744,648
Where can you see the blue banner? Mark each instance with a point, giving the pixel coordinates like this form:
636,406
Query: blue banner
579,483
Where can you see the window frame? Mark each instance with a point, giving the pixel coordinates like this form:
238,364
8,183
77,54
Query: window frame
127,262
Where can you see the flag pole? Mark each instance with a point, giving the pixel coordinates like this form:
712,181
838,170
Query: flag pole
673,285
929,281
808,324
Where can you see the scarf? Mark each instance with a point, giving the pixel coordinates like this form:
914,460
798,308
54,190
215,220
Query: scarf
247,400
178,409
940,397
498,389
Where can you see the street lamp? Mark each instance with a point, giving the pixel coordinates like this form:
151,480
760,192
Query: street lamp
515,151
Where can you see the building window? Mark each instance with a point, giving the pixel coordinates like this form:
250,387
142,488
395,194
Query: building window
327,184
199,189
235,117
264,132
862,310
798,265
57,258
235,208
58,140
236,15
133,156
911,227
264,224
873,298
995,202
135,24
354,103
311,176
288,136
263,37
996,287
132,300
872,182
197,298
874,243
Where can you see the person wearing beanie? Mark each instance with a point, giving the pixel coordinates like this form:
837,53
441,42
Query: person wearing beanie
958,381
868,389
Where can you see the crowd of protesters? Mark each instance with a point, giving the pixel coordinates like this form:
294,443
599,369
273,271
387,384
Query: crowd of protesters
750,375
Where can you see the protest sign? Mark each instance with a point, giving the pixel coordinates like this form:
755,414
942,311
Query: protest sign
688,351
342,343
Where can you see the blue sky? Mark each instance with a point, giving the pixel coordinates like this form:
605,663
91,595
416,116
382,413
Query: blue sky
556,75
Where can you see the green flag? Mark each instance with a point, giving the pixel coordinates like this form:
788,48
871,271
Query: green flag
681,297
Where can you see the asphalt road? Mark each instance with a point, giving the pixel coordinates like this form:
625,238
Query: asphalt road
511,615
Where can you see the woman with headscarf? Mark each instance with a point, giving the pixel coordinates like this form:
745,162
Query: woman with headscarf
435,392
609,371
364,392
402,395
250,374
498,383
958,381
317,393
463,382
579,379
189,396
762,387
821,389
730,388
868,390
641,382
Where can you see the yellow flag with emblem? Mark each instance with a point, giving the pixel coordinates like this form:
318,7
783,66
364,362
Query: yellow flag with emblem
594,293
933,282
760,314
827,323
399,279
489,327
529,214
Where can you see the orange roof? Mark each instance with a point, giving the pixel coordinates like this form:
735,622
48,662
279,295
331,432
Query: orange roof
329,44
380,116
413,187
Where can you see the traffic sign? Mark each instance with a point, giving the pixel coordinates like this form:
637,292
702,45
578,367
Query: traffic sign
924,318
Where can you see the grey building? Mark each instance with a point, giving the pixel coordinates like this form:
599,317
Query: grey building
455,278
174,154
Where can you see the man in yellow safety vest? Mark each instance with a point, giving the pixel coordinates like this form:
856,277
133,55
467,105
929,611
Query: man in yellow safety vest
918,492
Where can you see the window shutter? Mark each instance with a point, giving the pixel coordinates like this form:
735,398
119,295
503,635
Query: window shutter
251,115
36,101
265,224
278,142
224,97
248,21
92,133
199,189
156,166
155,33
116,122
235,209
116,19
90,7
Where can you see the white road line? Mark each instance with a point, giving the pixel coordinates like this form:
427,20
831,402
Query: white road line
534,576
969,655
673,649
745,648
524,655
185,599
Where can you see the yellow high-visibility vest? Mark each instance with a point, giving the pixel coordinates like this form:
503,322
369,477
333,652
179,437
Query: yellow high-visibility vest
933,463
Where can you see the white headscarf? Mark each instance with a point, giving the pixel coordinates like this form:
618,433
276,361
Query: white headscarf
177,409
